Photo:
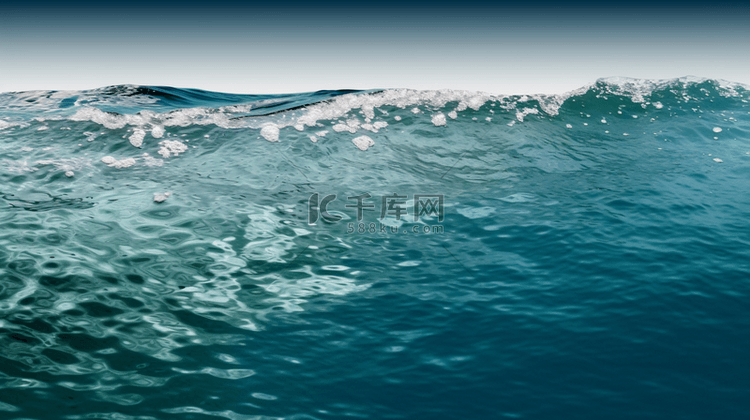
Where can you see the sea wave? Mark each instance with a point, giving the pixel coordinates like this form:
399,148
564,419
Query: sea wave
155,240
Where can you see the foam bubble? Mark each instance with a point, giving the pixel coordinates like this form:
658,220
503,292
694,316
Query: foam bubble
453,115
717,160
351,126
171,148
363,142
439,119
119,164
157,132
108,120
136,139
717,130
69,174
520,114
270,132
124,163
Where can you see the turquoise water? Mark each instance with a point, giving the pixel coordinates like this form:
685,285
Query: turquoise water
591,260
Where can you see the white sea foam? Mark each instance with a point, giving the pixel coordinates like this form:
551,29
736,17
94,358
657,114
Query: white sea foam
157,132
521,114
341,106
374,127
317,135
136,139
270,132
717,130
439,119
107,119
639,89
124,163
345,111
363,142
171,148
351,126
119,164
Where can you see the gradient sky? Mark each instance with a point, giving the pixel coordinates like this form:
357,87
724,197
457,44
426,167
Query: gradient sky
294,47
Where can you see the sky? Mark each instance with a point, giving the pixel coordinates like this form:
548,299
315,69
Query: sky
239,47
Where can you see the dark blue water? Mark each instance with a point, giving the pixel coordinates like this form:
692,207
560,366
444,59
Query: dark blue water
582,256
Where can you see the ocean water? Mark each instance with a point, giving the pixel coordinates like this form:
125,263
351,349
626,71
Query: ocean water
180,254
